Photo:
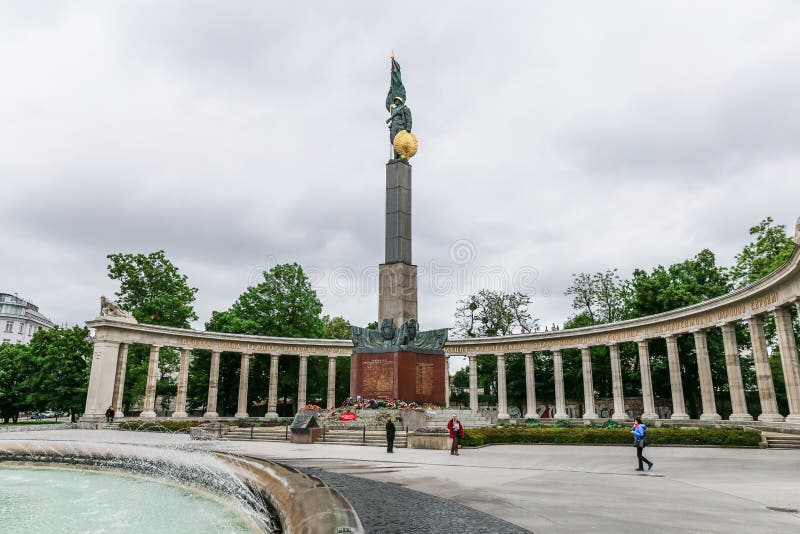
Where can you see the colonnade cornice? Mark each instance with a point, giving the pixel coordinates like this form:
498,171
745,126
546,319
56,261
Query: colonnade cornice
184,338
779,289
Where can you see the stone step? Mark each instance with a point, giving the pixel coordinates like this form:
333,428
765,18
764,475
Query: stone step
783,441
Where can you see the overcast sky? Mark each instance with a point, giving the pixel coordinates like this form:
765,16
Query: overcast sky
554,138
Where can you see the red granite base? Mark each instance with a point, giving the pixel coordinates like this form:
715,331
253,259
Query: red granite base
405,375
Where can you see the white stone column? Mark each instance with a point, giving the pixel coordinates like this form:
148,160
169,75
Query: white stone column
616,384
302,382
149,411
502,399
706,382
588,384
734,369
244,382
213,387
183,380
119,381
446,381
331,381
473,382
530,388
272,400
791,370
100,392
558,378
648,400
675,380
766,387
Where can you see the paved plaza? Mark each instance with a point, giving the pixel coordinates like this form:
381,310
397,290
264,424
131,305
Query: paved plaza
546,488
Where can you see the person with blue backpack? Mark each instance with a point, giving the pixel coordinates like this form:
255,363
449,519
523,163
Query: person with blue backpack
640,440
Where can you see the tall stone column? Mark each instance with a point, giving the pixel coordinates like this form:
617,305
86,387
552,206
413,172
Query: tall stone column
331,381
272,399
675,380
588,384
558,378
791,370
706,382
473,382
213,387
648,400
149,411
502,399
119,381
616,384
244,382
183,380
446,381
302,382
100,393
530,388
734,369
766,387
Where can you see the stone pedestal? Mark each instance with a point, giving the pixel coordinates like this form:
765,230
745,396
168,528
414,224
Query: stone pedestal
399,374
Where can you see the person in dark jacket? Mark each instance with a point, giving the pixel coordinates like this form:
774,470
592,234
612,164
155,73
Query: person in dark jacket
456,433
390,431
639,432
110,414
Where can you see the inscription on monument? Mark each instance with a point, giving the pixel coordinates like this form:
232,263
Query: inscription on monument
379,374
424,378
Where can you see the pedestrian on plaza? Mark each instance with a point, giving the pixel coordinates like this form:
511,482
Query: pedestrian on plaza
456,433
110,414
390,431
639,432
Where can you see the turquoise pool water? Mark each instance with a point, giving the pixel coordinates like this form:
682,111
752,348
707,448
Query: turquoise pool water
73,501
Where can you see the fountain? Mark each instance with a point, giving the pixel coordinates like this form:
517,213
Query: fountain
237,494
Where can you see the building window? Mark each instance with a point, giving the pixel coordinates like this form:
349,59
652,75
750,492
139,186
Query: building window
21,328
30,329
9,326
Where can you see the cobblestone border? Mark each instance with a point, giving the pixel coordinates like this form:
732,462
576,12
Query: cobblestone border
385,508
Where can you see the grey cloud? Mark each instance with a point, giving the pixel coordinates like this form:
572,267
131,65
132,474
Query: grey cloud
552,138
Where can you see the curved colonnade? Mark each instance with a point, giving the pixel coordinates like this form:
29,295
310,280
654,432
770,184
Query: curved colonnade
775,295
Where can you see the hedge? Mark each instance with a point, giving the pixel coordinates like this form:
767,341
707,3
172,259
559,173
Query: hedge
474,437
159,426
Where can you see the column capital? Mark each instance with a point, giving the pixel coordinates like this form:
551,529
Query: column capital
671,337
701,330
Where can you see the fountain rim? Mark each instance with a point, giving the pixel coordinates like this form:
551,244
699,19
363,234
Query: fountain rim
300,502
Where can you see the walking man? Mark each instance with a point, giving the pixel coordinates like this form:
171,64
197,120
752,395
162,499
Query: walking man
390,431
456,433
639,432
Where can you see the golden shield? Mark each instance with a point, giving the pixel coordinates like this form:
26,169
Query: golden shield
405,144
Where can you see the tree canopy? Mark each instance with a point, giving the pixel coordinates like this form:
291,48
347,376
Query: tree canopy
494,313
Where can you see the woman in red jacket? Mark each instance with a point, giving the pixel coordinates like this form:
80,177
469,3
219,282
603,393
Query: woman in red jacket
456,433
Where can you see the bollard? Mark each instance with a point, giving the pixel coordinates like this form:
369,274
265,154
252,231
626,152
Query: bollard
286,437
324,428
252,426
364,435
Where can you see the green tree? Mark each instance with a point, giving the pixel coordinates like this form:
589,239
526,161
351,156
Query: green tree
494,313
284,304
771,248
601,296
60,364
154,290
14,369
336,327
